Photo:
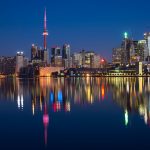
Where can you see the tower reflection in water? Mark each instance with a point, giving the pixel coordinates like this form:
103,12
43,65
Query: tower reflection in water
49,95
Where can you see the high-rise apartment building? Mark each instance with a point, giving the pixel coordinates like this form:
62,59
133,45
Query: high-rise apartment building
86,59
147,38
55,51
126,51
89,59
66,56
19,61
116,55
56,58
77,60
142,50
66,51
34,51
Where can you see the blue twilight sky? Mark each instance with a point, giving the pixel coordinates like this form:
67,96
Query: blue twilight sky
85,24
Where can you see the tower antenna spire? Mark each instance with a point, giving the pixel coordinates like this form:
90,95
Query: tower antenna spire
45,20
45,33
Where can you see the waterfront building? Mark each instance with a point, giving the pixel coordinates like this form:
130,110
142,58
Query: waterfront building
134,54
45,57
26,62
77,60
19,61
147,38
71,62
126,46
67,63
96,61
66,51
55,51
83,57
36,55
139,51
86,59
66,56
140,68
131,51
34,51
116,55
143,50
47,71
56,58
57,61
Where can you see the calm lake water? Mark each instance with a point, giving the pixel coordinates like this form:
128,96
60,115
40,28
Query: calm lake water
76,113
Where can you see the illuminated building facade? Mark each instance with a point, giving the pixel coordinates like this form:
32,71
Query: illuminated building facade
39,56
86,59
56,58
147,38
140,68
142,50
137,51
19,62
34,52
116,55
96,62
131,51
66,51
56,51
89,60
127,48
47,71
77,60
66,56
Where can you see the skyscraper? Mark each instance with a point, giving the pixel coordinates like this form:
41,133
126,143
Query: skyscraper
142,50
56,58
116,55
66,51
66,56
34,51
19,62
126,49
55,51
89,59
77,60
86,59
147,38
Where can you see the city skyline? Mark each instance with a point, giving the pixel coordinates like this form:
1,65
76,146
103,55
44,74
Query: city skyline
74,74
87,26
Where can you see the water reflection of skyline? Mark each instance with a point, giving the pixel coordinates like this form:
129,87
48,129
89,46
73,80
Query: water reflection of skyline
132,94
60,95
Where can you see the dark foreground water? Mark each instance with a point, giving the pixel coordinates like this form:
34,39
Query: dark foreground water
80,113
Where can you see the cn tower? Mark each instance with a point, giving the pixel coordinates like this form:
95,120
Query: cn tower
45,33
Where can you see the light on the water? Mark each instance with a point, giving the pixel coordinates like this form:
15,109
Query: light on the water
126,118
